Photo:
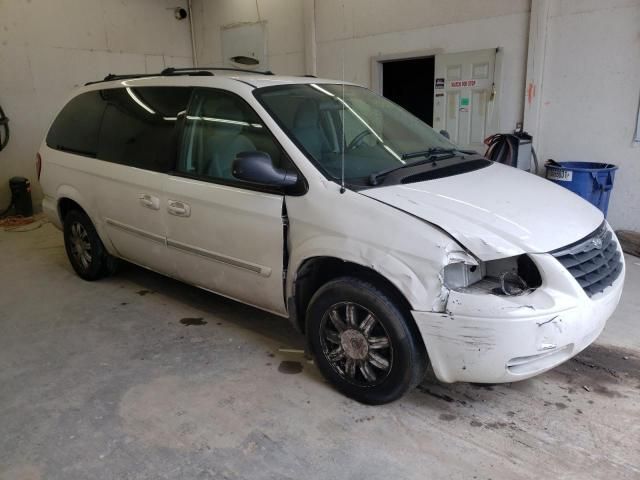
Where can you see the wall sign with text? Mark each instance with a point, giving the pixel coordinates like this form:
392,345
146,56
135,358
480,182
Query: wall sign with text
462,83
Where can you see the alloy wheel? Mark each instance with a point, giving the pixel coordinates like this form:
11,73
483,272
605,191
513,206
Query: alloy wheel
356,344
80,245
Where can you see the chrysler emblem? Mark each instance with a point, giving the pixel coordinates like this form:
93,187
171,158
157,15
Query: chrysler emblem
597,242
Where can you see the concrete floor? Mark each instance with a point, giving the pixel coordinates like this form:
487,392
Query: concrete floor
102,381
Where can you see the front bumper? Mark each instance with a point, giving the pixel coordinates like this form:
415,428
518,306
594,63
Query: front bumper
486,338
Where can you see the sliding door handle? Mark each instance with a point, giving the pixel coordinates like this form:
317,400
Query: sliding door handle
179,209
149,201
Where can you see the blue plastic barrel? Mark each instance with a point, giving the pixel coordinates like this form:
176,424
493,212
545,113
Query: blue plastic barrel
592,181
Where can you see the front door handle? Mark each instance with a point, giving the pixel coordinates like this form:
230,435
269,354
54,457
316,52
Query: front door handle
179,209
149,201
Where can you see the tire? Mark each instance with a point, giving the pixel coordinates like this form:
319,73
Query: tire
373,361
85,250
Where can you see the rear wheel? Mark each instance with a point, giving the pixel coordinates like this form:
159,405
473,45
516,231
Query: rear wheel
364,342
85,250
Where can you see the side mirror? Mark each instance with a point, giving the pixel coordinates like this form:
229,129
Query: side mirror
445,134
257,167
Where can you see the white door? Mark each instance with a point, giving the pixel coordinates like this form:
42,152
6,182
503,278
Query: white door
129,203
464,96
222,234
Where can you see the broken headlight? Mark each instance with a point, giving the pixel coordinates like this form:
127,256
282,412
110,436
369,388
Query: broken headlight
505,276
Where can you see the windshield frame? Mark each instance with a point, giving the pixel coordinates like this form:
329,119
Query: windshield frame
349,182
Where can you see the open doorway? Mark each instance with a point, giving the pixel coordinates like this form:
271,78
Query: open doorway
409,83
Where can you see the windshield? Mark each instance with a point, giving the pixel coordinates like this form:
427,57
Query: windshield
378,134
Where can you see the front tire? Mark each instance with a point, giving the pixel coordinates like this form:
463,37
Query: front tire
85,250
364,342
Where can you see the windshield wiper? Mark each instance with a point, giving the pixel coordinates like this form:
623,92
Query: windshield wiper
428,152
432,155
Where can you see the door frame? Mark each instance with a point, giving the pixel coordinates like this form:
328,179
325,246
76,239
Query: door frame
376,80
377,61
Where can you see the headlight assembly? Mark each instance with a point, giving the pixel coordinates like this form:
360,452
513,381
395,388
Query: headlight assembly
506,276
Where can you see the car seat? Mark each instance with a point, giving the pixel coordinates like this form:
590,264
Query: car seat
308,131
226,139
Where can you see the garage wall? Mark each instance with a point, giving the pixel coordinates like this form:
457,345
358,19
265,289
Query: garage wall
590,93
48,48
368,28
284,30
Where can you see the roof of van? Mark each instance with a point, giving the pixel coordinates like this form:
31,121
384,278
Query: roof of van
260,81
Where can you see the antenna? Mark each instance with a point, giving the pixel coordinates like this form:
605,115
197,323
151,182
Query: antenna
342,188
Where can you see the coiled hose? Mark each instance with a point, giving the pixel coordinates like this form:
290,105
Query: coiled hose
4,139
503,147
4,129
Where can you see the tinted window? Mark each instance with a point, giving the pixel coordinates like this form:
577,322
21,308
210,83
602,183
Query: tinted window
76,127
138,128
219,125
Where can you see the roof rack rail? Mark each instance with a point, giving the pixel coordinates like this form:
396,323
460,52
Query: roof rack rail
178,71
170,71
111,77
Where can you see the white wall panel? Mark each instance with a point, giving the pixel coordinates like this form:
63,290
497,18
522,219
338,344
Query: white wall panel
47,48
590,93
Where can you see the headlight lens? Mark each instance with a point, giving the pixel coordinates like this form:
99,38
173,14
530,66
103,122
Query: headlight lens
506,276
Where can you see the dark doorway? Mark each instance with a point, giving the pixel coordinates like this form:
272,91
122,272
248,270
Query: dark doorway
409,83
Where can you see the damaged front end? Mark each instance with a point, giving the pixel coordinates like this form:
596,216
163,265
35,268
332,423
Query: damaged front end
510,276
464,273
501,309
509,319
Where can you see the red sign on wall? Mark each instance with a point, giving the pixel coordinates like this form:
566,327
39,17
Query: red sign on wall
462,83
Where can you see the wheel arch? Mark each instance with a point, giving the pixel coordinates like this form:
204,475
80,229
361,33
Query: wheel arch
69,198
65,205
316,271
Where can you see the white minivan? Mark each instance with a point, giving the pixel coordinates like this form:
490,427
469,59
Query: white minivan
326,204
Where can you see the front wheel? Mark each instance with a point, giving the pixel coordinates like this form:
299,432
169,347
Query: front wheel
364,342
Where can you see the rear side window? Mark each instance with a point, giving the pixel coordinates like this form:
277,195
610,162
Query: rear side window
76,128
138,127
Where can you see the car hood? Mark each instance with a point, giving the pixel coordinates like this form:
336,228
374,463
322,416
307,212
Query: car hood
497,211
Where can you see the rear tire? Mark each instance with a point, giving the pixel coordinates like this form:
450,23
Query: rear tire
85,250
364,342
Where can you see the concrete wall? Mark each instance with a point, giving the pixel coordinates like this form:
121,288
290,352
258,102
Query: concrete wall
47,48
590,92
284,26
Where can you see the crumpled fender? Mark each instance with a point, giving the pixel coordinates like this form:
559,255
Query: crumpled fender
416,290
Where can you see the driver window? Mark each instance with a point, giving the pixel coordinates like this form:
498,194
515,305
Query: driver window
218,126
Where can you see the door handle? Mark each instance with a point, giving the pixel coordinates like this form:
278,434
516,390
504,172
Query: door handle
149,201
179,209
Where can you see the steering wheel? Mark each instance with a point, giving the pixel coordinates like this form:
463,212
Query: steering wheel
358,139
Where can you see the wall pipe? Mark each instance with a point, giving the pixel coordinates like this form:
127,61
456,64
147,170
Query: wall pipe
194,53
